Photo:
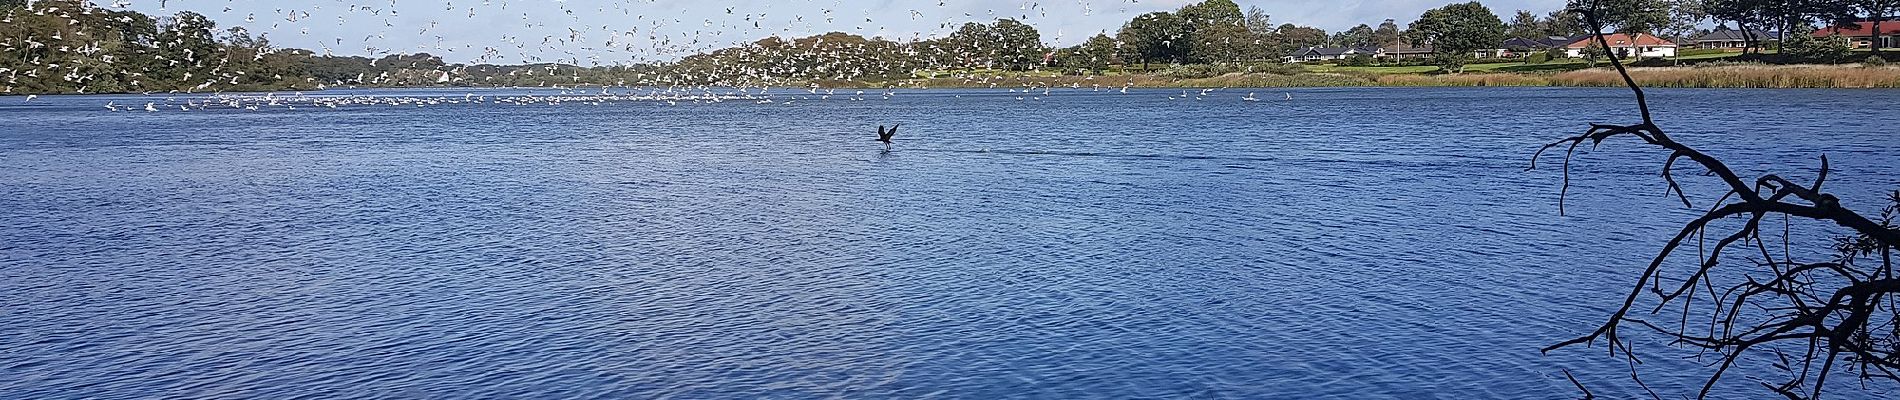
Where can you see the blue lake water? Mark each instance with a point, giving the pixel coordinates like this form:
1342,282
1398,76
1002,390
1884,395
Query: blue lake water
1349,243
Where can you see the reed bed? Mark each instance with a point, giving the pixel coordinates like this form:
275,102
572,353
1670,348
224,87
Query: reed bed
1740,76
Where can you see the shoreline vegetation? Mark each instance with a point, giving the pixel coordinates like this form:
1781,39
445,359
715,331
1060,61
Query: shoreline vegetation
76,47
1760,76
1741,76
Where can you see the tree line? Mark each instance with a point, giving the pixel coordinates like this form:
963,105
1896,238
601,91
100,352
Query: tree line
72,46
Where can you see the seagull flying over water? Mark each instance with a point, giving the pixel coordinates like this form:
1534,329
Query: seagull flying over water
885,136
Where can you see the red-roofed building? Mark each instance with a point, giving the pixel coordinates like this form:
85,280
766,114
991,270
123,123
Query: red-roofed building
1640,46
1861,34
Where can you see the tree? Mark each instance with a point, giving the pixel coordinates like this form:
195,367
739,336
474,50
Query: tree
1876,10
1387,34
1292,37
1358,36
972,45
1258,21
1839,312
1809,49
1224,43
1525,25
1684,18
1564,23
1097,53
1456,31
1633,16
1155,36
1212,23
1744,13
1018,45
1210,13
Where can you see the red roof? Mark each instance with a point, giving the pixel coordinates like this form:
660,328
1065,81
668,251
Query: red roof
1618,40
1865,29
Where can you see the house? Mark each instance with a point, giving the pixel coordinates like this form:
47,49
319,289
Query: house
1521,47
1637,45
1861,33
1311,54
1732,39
1404,52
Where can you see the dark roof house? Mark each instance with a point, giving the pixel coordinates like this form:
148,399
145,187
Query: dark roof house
1331,53
1538,43
1725,34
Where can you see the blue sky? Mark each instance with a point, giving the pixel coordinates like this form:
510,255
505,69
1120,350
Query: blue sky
622,31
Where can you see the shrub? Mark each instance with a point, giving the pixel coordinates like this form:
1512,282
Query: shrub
1807,49
1874,61
1358,60
1197,71
1278,69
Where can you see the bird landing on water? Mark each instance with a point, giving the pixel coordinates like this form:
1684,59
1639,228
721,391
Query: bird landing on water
885,135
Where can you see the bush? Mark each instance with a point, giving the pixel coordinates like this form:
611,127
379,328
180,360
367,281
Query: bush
1198,71
1358,60
1874,61
1556,53
1277,69
1807,49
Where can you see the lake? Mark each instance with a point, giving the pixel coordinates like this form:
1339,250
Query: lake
1345,243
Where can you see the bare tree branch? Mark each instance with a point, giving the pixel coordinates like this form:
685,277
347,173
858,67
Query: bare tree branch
1843,312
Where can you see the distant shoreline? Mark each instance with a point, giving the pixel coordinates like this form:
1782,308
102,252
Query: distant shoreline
1712,77
1718,77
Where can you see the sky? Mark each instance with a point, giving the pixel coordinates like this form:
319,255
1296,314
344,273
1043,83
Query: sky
613,32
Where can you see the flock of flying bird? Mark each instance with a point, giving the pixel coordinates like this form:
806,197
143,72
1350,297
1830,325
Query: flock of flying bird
613,32
481,14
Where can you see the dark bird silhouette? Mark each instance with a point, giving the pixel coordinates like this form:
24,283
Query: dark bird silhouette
885,135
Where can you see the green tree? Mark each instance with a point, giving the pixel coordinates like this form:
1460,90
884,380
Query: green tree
1358,36
1290,37
1387,34
1209,23
1156,36
1097,53
1018,45
1224,43
1258,21
1632,16
1564,23
1210,13
972,45
1457,31
1525,25
1809,49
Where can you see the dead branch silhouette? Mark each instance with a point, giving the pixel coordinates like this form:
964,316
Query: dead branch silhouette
1841,313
